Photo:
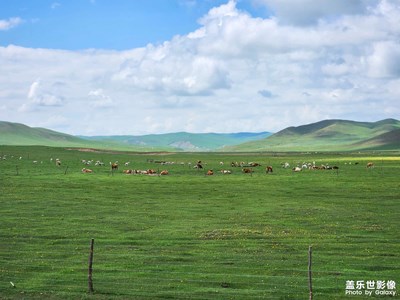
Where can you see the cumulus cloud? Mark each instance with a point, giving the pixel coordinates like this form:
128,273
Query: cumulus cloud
100,99
40,96
10,23
252,74
384,60
173,70
308,12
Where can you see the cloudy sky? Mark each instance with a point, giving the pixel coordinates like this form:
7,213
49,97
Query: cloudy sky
111,67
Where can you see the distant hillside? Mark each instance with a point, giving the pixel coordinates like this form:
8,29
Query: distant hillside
327,135
19,134
330,135
184,141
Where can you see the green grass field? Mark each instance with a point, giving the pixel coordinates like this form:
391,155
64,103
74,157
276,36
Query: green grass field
191,236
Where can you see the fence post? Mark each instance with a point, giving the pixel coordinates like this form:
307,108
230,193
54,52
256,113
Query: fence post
90,280
309,272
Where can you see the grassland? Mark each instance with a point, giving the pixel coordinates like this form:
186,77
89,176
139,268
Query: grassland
191,236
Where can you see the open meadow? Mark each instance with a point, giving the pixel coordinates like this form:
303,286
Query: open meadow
191,236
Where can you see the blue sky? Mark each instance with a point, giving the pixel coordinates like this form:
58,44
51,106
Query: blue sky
104,24
97,67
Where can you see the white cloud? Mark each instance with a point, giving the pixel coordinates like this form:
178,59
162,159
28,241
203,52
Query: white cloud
10,23
234,73
100,100
40,96
384,60
309,12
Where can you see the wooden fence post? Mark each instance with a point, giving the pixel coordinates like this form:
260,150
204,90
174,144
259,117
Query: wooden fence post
309,272
90,280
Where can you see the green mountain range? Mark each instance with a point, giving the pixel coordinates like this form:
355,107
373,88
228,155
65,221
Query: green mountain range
22,135
19,134
184,141
330,135
327,135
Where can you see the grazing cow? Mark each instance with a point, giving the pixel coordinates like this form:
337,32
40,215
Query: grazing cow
226,172
164,172
247,170
268,169
114,166
370,165
297,169
151,171
254,164
199,165
58,162
210,172
84,170
127,172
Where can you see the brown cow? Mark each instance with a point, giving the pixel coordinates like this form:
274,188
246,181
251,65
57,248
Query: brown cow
84,170
114,166
268,169
210,172
164,172
247,170
254,164
370,165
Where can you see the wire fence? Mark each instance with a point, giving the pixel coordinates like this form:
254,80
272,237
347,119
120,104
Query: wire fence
182,272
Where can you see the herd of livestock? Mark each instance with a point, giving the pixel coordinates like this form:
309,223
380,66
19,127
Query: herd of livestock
246,168
243,167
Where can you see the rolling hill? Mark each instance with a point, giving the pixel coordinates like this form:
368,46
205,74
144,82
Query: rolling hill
20,134
327,135
184,141
330,135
